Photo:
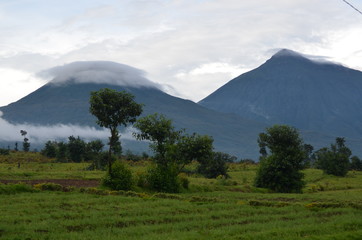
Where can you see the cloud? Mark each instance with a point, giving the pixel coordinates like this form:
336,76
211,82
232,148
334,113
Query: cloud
40,134
166,38
98,72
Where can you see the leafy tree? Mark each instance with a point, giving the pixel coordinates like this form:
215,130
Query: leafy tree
160,131
26,144
62,152
112,109
334,160
309,152
189,148
76,148
173,150
356,163
50,149
171,146
279,170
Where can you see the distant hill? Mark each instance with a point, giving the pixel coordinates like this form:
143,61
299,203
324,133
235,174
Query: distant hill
289,88
67,102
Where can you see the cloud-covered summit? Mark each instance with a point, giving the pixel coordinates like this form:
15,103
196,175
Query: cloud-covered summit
100,72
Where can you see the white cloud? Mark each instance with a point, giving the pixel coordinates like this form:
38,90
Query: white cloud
98,72
166,38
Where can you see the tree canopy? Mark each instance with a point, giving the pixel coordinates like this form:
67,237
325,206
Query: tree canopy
282,159
113,109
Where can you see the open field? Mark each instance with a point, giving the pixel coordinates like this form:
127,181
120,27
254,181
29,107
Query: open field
329,208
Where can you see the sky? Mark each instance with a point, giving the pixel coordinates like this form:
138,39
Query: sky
192,47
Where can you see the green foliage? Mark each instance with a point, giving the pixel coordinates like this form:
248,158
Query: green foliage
172,147
50,149
26,144
48,187
280,170
112,109
76,149
190,147
62,152
120,177
163,179
215,165
356,163
334,160
160,131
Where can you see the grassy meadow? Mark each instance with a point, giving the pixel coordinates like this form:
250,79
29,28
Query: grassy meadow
329,208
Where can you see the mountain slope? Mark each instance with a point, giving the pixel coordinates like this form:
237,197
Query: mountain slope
292,89
68,103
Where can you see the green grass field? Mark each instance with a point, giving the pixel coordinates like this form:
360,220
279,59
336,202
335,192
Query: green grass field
329,208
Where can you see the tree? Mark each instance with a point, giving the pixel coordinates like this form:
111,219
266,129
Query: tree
279,170
215,165
309,152
173,150
50,149
171,146
160,131
113,109
356,163
76,149
334,160
26,144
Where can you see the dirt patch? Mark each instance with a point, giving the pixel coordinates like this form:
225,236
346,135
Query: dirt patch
63,182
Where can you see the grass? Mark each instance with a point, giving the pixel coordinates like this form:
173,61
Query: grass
329,208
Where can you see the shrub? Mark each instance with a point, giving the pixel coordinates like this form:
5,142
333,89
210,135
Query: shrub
48,187
163,179
120,177
214,166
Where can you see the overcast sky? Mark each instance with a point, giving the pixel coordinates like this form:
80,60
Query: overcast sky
192,46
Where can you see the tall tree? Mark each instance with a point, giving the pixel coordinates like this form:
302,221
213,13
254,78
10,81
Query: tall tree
113,109
279,169
26,144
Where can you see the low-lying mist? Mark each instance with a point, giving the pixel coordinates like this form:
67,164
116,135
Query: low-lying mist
40,134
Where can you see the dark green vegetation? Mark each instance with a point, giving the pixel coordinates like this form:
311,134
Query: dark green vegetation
280,170
335,160
329,208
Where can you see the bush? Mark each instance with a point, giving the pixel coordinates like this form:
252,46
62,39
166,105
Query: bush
48,187
334,160
163,179
214,166
120,177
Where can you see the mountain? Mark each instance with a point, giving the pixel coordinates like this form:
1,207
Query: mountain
290,88
65,100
